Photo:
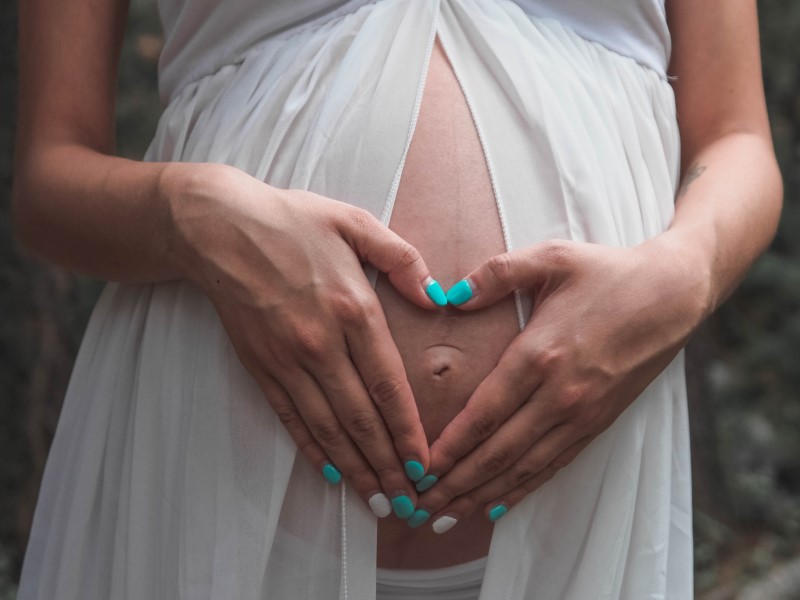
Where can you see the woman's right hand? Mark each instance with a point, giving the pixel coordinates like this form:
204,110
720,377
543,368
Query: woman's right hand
283,269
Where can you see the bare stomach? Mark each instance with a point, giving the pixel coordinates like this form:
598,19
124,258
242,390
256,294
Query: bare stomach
445,207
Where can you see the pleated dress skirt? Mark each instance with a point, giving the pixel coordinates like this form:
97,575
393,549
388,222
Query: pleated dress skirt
171,478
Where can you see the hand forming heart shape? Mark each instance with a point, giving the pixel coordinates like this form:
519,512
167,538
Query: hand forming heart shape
606,321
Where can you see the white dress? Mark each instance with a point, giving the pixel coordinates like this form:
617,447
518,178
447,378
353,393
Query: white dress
171,478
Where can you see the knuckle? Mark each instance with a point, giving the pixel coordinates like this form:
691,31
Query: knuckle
469,502
326,432
559,463
443,496
571,399
557,252
388,473
386,392
493,461
310,341
482,423
500,266
363,425
409,255
363,478
247,356
448,455
361,219
532,484
462,506
520,474
277,355
589,417
549,358
285,361
289,417
307,446
549,471
349,308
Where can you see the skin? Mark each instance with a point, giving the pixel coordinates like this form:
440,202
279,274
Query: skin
78,206
446,208
607,321
310,330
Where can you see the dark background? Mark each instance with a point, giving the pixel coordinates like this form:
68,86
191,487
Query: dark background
743,366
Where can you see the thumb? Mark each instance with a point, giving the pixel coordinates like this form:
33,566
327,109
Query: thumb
376,244
536,266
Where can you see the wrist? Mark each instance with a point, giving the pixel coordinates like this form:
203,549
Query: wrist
193,193
687,259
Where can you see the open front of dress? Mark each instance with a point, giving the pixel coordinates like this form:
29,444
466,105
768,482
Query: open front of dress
170,477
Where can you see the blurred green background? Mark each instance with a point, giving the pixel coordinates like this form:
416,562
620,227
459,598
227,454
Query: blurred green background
743,366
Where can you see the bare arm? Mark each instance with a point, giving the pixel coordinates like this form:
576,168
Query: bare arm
729,203
73,203
282,267
608,320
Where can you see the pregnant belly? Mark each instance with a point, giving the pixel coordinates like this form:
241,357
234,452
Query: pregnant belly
445,207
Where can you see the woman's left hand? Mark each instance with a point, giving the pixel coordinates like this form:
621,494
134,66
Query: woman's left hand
605,322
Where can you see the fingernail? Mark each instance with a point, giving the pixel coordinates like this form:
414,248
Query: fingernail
436,293
331,474
459,293
418,518
426,483
443,524
414,470
497,512
379,504
403,507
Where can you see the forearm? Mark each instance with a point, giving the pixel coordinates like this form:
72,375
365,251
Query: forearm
727,211
96,214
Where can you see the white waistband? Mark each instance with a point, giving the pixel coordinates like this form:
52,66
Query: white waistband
459,582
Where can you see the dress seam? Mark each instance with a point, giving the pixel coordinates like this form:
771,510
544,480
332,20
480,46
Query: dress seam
388,206
344,591
501,211
234,58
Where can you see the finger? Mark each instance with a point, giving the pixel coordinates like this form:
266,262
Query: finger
506,449
367,487
317,413
378,245
536,266
293,423
355,410
380,366
507,387
509,488
503,502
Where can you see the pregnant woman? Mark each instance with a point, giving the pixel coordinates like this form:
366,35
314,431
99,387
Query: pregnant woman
275,397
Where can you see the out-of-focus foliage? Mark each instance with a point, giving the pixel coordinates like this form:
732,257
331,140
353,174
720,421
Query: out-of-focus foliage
751,371
43,310
13,288
743,366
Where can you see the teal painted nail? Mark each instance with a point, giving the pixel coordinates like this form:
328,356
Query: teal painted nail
497,512
418,518
414,470
331,474
426,483
403,507
436,293
459,293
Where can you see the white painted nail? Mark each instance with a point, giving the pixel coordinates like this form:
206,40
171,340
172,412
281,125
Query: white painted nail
443,524
380,505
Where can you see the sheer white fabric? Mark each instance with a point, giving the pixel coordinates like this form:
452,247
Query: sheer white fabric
200,34
459,582
169,475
